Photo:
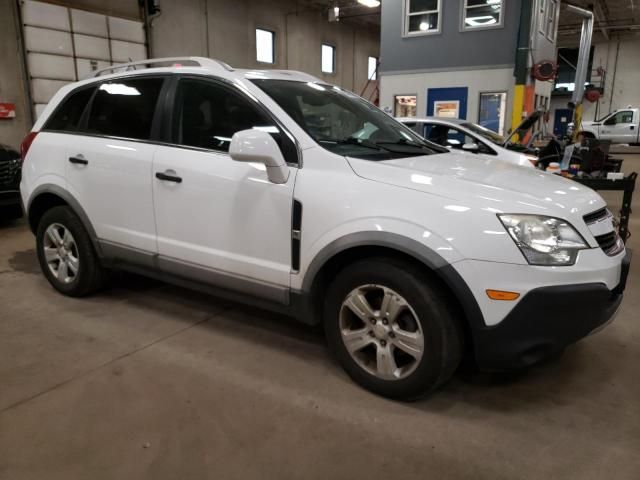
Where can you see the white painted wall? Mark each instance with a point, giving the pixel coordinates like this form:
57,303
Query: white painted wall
622,86
477,81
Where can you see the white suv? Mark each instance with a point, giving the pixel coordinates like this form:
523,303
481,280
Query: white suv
274,188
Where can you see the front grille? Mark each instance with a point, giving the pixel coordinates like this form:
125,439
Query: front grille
596,216
607,241
610,243
8,172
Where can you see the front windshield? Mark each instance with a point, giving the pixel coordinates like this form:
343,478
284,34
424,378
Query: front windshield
485,132
344,123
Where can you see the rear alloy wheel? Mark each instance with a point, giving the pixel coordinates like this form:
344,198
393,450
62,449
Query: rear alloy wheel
66,254
61,253
393,327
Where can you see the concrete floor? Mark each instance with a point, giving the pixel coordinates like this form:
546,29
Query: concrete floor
151,381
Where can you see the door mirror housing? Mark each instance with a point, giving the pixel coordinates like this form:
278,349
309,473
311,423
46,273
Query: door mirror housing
259,146
471,147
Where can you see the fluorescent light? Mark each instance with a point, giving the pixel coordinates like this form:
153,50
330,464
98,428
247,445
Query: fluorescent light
480,21
119,89
370,3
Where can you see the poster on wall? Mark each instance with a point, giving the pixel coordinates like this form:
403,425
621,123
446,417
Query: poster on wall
446,108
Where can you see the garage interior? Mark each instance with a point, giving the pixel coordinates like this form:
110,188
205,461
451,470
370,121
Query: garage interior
149,380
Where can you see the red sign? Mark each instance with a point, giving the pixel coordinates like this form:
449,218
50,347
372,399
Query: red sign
7,110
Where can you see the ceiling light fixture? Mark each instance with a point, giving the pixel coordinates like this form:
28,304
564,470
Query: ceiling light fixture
370,3
480,21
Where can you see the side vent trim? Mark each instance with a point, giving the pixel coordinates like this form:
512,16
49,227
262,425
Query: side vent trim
296,235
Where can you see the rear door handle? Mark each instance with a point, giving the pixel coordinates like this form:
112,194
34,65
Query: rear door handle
79,160
168,176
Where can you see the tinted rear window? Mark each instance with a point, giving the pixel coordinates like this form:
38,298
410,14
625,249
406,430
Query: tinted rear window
124,108
67,116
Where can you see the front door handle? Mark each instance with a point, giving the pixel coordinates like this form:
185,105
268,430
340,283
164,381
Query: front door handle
79,160
168,176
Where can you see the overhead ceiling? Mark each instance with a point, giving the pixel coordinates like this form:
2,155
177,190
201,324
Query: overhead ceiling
614,18
350,11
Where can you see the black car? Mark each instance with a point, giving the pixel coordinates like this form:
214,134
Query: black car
10,171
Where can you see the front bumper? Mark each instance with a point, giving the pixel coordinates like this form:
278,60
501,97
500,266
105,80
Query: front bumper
9,198
545,321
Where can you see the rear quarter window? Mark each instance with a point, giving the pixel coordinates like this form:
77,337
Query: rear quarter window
67,116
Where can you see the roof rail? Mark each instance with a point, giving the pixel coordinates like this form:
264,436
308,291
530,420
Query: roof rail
199,61
308,76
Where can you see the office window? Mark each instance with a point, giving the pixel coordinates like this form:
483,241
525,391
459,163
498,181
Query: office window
493,111
551,19
542,17
265,46
405,105
328,58
421,17
482,14
372,68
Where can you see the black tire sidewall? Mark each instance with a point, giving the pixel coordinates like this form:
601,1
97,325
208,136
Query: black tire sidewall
85,279
430,303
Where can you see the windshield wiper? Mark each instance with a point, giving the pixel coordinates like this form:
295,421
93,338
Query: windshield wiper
355,141
403,142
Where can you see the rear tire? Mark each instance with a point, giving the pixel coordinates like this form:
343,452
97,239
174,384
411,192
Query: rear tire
393,328
66,254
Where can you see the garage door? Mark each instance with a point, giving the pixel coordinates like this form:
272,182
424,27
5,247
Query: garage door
65,44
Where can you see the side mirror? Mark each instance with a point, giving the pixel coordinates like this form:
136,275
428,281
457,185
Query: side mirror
471,147
259,146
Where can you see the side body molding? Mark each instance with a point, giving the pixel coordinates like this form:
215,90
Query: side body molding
75,206
428,257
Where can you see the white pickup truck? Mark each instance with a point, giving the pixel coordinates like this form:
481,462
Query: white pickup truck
621,126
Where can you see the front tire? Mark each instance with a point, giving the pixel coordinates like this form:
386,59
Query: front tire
393,328
66,254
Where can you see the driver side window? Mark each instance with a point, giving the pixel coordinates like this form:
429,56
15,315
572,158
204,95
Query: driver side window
207,114
448,136
620,117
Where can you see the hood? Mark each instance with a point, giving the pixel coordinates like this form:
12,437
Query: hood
491,185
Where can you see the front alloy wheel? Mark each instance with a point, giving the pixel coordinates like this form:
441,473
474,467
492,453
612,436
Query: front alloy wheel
381,332
393,327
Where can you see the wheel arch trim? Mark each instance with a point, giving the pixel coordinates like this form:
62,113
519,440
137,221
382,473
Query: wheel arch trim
425,255
73,203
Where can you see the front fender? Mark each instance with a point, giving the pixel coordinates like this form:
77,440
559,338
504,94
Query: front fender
410,238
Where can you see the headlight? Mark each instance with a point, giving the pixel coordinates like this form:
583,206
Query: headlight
544,240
